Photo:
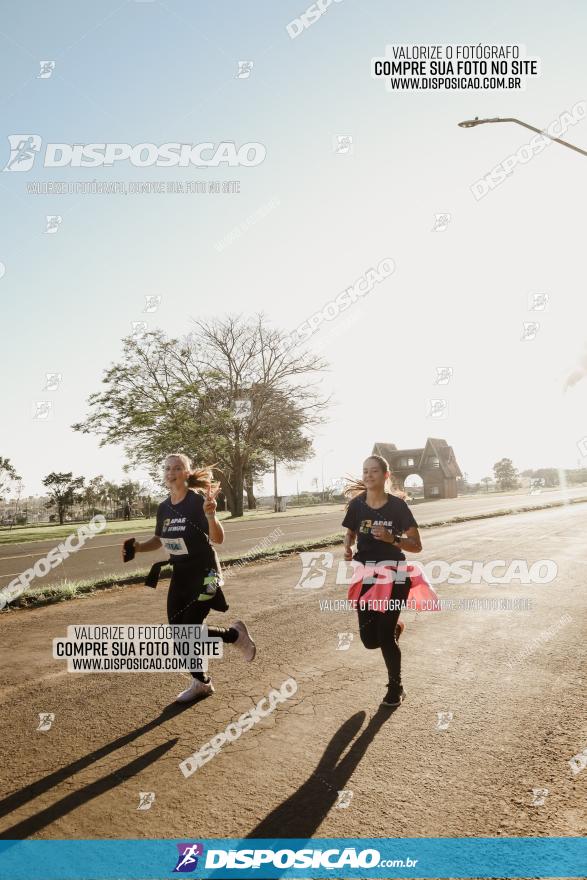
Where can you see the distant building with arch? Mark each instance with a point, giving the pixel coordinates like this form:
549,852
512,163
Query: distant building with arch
435,463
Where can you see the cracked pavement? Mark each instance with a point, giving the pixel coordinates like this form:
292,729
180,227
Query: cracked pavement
514,728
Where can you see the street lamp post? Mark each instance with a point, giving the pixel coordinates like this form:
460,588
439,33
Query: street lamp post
471,123
275,501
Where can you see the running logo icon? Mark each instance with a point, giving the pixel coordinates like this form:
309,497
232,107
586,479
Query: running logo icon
529,330
242,409
146,800
139,328
342,145
441,222
313,575
245,68
437,408
443,720
578,762
443,375
152,303
53,381
47,68
187,860
23,151
539,796
344,641
42,410
46,719
537,302
54,221
344,799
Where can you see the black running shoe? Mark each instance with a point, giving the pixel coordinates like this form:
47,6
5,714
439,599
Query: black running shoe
393,698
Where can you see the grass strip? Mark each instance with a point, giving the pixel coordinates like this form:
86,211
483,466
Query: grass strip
66,590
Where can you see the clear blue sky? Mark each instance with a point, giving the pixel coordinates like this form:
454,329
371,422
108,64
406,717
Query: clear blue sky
161,72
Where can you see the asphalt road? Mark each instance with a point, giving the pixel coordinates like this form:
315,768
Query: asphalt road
101,555
514,682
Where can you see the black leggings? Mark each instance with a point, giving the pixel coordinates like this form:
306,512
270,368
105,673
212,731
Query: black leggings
377,630
183,608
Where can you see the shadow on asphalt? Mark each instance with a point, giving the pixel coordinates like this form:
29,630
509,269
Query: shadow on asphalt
72,801
299,816
75,799
302,813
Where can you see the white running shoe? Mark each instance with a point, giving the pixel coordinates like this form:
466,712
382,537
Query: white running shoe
244,643
196,689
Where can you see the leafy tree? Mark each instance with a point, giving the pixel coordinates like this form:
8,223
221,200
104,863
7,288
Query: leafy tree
486,482
64,491
129,491
94,493
506,476
112,494
232,394
7,475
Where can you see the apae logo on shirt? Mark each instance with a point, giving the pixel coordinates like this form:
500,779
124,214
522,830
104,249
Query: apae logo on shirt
367,525
176,524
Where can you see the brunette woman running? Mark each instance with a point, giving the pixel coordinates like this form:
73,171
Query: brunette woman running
186,526
382,525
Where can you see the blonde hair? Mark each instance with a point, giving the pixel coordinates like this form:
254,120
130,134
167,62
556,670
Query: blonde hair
355,486
198,478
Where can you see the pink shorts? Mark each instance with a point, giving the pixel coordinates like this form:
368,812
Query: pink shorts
422,596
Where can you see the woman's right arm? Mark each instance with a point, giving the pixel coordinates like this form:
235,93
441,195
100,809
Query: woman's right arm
147,546
349,542
139,547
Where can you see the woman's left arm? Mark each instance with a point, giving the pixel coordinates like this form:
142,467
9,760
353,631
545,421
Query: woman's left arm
215,530
411,541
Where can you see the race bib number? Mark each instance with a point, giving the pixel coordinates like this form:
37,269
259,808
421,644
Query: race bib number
176,546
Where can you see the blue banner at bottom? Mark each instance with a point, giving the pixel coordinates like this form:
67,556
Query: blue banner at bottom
413,857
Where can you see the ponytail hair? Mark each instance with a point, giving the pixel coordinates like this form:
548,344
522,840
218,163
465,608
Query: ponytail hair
355,486
198,478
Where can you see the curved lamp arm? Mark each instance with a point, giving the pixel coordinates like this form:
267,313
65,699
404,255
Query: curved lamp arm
470,123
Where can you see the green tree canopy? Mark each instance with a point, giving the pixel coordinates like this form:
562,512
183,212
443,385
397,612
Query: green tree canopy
506,476
64,490
8,475
233,394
